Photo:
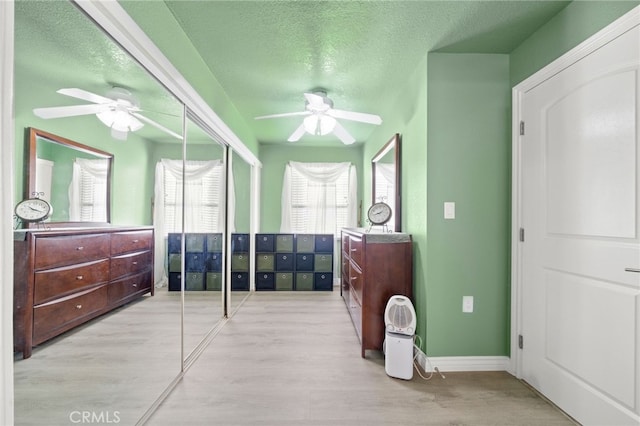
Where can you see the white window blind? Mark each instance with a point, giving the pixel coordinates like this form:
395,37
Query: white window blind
88,190
318,197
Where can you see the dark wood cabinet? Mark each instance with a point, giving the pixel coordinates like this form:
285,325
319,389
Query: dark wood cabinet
375,266
63,278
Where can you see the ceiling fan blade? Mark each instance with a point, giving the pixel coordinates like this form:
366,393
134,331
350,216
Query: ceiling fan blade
314,99
297,134
84,95
157,125
69,111
355,116
343,135
286,114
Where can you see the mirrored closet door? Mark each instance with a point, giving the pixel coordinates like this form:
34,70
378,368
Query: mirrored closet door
117,364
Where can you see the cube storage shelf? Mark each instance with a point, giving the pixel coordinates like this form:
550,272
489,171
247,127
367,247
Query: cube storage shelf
203,261
294,262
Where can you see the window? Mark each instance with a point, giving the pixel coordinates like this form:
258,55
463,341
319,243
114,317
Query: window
202,196
318,197
88,190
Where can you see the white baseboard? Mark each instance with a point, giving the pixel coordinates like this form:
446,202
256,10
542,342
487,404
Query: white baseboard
463,363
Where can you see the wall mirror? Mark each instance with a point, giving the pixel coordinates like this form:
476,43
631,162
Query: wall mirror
385,180
58,169
120,363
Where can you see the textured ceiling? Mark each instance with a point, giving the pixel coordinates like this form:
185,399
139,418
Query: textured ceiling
265,54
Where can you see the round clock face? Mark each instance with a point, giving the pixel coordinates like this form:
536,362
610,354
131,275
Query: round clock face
379,213
33,210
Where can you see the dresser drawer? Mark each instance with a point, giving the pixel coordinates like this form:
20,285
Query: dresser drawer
130,264
355,310
52,318
121,289
70,249
355,249
356,281
55,283
127,242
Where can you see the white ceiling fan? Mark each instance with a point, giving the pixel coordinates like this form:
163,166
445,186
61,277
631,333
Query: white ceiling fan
321,118
119,110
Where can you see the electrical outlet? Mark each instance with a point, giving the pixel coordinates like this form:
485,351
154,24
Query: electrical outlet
467,304
449,210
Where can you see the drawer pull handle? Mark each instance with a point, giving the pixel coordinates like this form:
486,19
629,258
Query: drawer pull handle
353,278
135,262
135,285
135,241
354,249
78,306
632,270
79,277
80,248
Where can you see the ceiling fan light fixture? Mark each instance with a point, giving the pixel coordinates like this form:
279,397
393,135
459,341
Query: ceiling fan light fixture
319,124
119,120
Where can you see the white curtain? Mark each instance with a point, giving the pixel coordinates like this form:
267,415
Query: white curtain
194,171
321,194
88,190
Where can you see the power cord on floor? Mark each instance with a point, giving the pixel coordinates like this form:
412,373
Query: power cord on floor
416,363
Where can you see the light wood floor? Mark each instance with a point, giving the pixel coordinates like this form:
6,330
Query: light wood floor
294,359
285,358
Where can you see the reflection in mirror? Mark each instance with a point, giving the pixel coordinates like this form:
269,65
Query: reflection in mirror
119,363
385,179
74,178
240,224
203,191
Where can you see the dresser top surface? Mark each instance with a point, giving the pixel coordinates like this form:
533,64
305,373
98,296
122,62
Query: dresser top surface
376,236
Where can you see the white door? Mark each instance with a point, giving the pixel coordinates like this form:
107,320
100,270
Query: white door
580,255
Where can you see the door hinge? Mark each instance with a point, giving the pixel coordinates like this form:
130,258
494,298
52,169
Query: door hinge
520,341
521,128
522,235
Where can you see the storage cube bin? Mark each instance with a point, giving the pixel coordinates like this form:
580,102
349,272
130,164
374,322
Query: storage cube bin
214,281
194,281
174,281
194,242
284,281
213,262
284,261
239,281
239,243
323,263
324,243
175,262
304,261
265,262
240,262
323,281
214,242
265,281
173,242
304,281
284,243
265,242
194,262
305,243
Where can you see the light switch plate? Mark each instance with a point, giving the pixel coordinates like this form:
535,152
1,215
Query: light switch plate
449,210
467,304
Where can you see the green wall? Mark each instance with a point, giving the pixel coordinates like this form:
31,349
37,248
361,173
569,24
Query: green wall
574,24
159,24
406,114
275,157
468,163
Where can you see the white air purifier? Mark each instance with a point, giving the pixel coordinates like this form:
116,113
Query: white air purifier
400,326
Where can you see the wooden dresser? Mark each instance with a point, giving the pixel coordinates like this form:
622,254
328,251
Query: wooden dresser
375,266
63,278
